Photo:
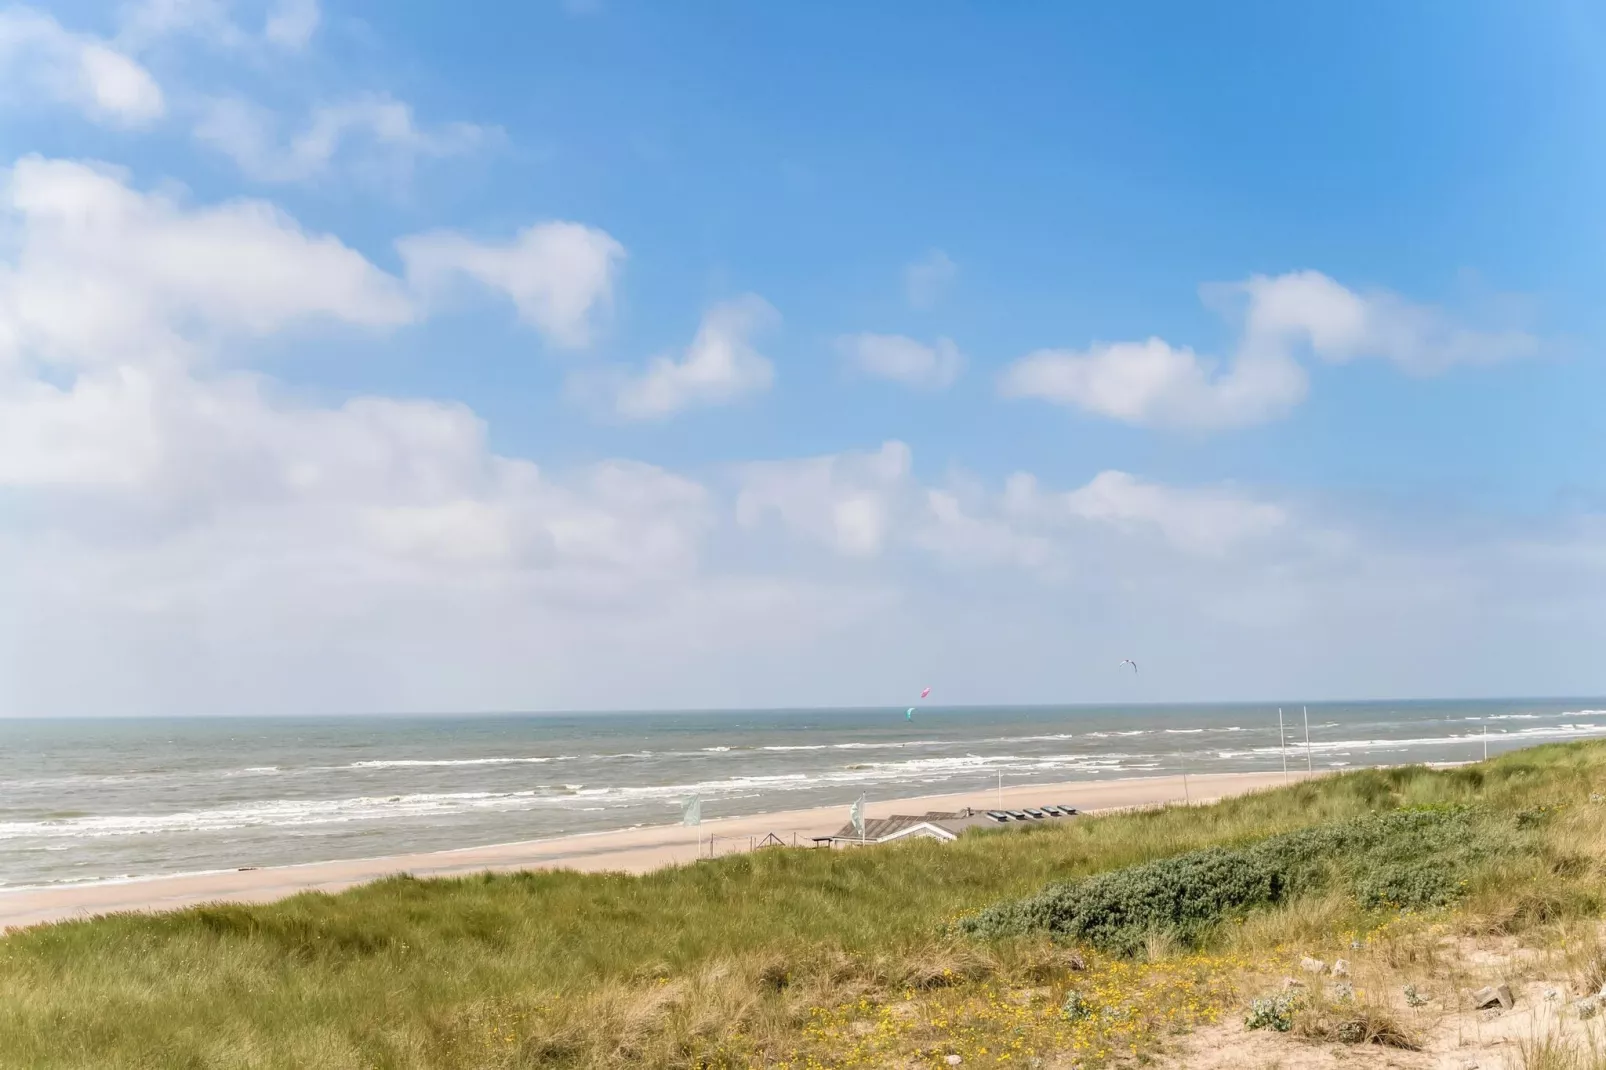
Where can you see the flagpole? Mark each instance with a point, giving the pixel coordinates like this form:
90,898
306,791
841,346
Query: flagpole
1282,743
1485,742
1309,767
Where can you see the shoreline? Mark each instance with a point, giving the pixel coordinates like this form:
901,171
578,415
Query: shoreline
632,850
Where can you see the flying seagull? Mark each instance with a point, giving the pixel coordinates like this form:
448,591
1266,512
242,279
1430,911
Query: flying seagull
1129,661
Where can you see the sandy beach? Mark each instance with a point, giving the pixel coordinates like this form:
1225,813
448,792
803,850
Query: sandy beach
625,850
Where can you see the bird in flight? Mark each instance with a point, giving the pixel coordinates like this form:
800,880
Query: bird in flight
1129,661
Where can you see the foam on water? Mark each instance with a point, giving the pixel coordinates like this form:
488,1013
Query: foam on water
406,763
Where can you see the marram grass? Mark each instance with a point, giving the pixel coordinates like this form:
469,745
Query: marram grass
778,958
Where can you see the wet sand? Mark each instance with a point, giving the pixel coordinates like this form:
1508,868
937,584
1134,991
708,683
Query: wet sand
622,851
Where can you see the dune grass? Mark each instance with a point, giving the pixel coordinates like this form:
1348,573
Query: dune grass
778,957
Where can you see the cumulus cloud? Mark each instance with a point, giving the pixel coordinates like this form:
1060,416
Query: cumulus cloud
373,136
1155,385
903,360
146,22
969,534
144,438
400,483
210,538
927,279
291,23
847,501
859,504
104,272
1282,318
1308,309
162,506
39,58
1206,521
209,541
288,24
558,275
720,366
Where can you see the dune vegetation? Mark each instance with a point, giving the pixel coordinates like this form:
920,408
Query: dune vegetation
1104,941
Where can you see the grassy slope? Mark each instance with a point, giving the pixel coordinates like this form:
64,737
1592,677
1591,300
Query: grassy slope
721,960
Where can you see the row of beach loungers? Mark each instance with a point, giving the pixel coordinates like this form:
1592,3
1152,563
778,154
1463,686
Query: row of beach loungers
1031,813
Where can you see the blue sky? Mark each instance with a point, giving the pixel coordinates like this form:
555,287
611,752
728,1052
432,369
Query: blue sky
1217,336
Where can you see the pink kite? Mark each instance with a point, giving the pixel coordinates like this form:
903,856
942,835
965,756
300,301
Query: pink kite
926,692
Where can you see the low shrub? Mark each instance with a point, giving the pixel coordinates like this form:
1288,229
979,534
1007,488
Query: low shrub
1075,1007
1405,858
1409,886
1271,1012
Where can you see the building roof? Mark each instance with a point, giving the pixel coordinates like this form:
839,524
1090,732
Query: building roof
941,825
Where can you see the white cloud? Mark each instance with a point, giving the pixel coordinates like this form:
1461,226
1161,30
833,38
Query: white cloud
374,136
1155,384
145,22
40,58
156,273
1306,308
558,275
1199,521
402,482
848,501
156,508
965,535
291,23
288,24
207,514
903,360
719,367
860,504
927,279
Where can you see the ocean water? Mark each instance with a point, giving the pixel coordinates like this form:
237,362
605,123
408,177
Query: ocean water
91,800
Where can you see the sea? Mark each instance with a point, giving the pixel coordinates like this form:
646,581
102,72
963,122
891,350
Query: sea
87,800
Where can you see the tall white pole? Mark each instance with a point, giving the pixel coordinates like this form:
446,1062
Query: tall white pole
1309,767
1000,790
1184,763
1282,743
1485,742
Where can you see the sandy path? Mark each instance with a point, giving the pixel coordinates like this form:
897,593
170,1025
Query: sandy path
625,850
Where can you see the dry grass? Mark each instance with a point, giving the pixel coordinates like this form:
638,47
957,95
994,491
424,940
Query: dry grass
1308,922
1354,1022
1556,1052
